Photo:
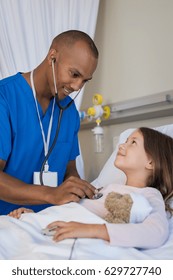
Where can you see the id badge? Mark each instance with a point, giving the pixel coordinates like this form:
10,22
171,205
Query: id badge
49,178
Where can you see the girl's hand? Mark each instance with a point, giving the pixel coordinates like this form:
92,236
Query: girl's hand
18,212
64,230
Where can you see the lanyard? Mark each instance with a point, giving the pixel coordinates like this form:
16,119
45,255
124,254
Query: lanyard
45,142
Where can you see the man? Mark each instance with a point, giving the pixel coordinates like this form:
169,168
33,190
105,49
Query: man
39,127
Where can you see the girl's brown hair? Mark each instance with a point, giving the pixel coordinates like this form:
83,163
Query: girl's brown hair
160,147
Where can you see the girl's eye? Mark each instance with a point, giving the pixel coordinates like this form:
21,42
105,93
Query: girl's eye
133,141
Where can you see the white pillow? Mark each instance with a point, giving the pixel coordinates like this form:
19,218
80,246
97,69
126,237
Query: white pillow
109,173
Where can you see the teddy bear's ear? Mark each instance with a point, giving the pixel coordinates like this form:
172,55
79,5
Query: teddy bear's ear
116,195
128,199
113,195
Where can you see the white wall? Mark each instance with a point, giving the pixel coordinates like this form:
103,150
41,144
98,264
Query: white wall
135,41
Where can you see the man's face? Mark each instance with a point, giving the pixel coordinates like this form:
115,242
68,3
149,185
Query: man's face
74,66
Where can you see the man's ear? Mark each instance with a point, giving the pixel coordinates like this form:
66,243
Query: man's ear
51,56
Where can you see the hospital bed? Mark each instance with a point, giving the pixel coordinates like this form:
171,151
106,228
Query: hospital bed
22,239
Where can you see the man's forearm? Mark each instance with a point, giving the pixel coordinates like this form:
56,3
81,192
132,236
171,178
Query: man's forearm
15,191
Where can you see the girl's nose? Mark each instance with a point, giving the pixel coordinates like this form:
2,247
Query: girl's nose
121,146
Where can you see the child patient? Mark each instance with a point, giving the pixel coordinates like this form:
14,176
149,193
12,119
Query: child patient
146,159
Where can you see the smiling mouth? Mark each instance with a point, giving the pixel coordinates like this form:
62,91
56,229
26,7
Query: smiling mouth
67,91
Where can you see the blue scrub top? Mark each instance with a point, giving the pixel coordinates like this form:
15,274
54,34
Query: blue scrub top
21,143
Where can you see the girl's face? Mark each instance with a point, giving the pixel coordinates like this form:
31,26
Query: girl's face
131,155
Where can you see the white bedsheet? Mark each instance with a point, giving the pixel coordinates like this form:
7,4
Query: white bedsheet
22,239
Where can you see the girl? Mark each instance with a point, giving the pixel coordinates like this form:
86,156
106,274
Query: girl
146,159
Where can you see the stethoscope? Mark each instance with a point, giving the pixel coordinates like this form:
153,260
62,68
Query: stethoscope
62,109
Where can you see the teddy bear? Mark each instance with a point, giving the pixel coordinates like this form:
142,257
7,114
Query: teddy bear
126,208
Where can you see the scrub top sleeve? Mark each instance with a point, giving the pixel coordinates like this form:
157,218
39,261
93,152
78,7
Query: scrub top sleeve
75,146
5,130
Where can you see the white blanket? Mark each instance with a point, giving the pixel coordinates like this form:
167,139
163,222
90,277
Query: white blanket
22,239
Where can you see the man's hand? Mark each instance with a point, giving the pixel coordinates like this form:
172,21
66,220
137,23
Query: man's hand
71,190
